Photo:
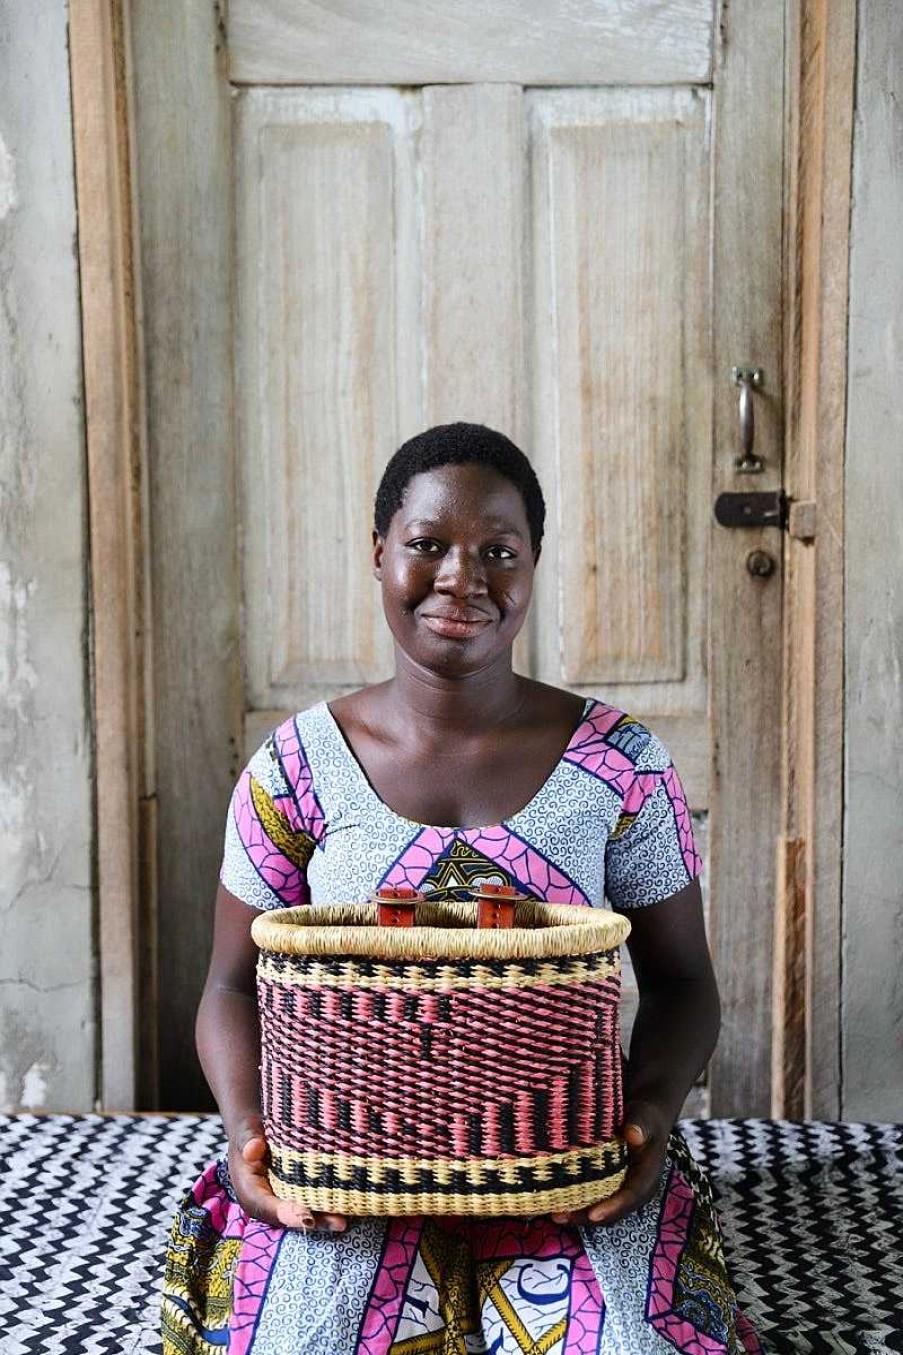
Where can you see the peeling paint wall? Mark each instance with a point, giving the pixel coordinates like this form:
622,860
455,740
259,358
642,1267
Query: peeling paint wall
47,1033
872,1017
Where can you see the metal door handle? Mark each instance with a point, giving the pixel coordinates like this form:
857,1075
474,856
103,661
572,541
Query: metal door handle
748,379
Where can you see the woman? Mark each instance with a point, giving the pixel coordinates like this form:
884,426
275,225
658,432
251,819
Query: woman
457,770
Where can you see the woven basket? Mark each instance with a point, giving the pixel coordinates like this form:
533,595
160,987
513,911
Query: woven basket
441,1069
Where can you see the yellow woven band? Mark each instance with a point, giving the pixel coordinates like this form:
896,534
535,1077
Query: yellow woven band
360,1204
443,931
599,1172
413,979
597,1159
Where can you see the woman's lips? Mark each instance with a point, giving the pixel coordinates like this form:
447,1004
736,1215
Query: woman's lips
454,627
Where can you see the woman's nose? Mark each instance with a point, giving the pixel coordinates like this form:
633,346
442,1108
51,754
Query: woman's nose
461,574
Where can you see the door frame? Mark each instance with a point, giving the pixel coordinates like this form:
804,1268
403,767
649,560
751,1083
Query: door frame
123,801
806,1062
121,58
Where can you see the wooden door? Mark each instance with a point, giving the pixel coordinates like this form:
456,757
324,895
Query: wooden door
562,220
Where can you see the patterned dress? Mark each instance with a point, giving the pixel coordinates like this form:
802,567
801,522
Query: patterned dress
305,826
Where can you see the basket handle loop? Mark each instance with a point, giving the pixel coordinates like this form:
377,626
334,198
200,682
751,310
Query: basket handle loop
396,905
496,905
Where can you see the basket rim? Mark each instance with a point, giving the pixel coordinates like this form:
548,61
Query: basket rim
348,929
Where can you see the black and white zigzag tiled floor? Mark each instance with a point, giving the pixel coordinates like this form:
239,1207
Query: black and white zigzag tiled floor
812,1214
813,1223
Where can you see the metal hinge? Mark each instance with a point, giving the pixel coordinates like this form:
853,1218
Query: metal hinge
767,508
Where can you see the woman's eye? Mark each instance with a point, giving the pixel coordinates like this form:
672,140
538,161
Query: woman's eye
501,553
425,547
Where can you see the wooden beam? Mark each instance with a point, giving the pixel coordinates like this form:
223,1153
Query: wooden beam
183,176
872,1010
821,39
790,979
112,399
745,633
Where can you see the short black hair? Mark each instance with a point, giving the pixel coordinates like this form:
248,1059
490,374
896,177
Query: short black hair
459,444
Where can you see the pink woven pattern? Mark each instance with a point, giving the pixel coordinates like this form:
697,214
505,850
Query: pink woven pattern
279,871
305,813
692,859
471,1072
590,750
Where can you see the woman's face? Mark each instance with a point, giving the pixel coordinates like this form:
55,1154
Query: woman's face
456,568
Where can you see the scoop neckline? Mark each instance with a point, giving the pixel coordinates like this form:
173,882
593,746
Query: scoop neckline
362,777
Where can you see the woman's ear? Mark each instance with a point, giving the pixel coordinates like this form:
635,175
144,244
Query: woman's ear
379,546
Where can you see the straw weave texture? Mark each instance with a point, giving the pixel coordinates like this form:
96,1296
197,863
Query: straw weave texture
443,930
440,1068
521,1187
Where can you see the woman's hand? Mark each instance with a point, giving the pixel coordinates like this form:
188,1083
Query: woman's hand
645,1131
248,1158
228,1031
673,1036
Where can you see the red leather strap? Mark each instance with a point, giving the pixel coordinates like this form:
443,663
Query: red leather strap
396,905
496,906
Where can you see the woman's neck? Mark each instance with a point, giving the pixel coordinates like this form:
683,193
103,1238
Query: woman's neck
438,706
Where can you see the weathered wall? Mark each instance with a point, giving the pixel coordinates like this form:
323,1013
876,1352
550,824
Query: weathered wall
47,1044
872,1017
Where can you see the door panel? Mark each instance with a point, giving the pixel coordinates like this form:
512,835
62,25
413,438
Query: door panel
194,688
378,279
474,230
324,209
622,356
745,620
424,42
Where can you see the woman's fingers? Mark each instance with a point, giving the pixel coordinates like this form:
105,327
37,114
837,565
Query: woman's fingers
632,1195
254,1150
645,1155
256,1196
336,1223
292,1214
247,1168
646,1140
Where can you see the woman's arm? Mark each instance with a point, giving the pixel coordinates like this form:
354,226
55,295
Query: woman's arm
676,1026
228,1041
674,1033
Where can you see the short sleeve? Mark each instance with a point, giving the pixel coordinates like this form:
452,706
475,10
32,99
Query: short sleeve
270,829
651,853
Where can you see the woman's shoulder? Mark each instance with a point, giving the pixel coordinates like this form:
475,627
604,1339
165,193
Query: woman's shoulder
286,748
364,709
551,705
605,729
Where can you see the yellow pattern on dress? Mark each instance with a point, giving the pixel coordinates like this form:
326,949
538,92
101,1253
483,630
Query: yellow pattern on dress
295,845
200,1268
463,1286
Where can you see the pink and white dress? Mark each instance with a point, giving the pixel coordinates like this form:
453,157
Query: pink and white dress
305,826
